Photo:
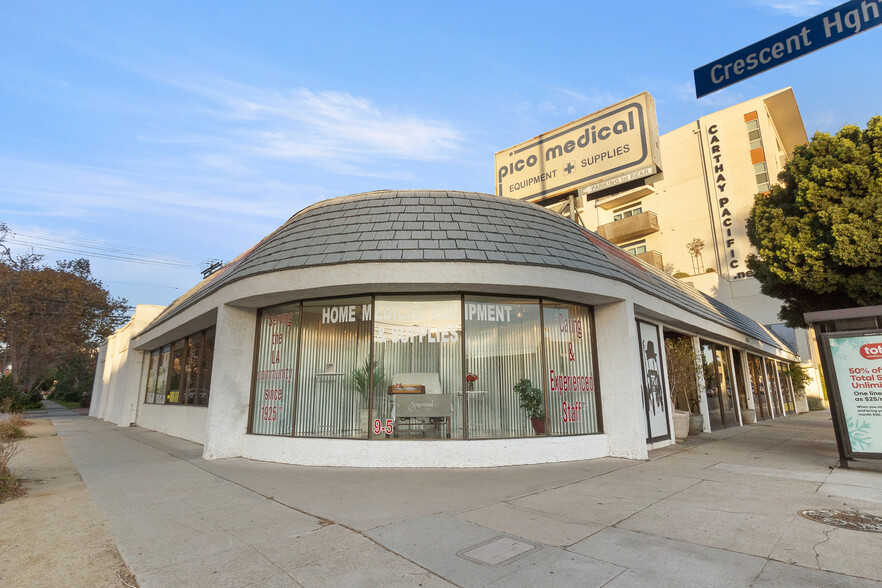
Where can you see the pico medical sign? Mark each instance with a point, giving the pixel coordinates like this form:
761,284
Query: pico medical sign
610,143
810,35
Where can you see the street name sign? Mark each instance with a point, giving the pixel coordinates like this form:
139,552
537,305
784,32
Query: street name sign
810,35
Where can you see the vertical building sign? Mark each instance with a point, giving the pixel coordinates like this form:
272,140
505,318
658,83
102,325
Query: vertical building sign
274,375
723,194
857,367
654,397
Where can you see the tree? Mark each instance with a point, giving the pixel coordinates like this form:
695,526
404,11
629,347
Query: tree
819,235
683,369
49,315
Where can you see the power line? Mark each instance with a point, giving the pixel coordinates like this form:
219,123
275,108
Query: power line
122,256
102,245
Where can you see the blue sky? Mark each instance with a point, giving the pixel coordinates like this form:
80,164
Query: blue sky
152,136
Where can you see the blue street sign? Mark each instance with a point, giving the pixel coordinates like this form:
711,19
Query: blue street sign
810,35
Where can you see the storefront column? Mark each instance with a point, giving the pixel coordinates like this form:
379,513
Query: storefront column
620,376
702,397
227,419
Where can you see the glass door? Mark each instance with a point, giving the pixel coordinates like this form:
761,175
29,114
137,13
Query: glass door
717,386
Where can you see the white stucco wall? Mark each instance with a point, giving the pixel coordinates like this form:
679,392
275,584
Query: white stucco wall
115,395
423,454
184,422
619,377
230,382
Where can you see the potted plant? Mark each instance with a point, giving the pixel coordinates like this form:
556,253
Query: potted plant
683,369
361,384
533,401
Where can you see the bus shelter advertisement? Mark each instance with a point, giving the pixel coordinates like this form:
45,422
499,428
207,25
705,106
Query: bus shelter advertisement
618,141
857,364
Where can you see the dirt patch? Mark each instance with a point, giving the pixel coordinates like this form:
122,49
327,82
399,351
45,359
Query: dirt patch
55,535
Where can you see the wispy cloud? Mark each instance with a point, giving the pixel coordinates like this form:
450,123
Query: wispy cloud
800,8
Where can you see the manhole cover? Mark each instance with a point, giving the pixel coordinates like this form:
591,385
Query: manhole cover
847,519
498,551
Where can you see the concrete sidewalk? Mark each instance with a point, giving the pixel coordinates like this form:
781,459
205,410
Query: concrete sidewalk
718,510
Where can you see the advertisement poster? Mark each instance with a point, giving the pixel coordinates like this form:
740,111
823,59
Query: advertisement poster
653,388
857,363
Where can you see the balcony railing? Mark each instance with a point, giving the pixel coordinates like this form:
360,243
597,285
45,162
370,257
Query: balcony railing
630,228
652,258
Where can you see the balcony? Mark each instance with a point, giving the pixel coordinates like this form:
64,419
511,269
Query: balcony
630,228
653,258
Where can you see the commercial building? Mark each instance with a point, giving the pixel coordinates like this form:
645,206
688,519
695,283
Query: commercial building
711,171
434,329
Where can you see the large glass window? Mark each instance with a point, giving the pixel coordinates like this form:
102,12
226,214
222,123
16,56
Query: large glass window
180,373
205,367
334,360
151,376
275,370
418,345
173,396
191,369
571,401
758,383
162,374
421,367
503,346
786,388
773,386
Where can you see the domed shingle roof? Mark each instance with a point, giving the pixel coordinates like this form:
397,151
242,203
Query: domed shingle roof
441,226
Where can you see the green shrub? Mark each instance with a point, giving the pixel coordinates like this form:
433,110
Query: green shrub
16,398
815,403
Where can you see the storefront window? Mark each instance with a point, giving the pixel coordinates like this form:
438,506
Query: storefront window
418,345
392,367
207,359
151,377
760,398
771,372
503,346
570,398
162,374
335,346
191,368
275,369
786,388
174,381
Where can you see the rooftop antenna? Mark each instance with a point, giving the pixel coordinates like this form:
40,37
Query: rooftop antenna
210,266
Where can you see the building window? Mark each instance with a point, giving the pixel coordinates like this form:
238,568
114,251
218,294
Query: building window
150,393
762,176
570,396
418,345
503,346
635,248
422,367
753,134
335,343
180,373
275,370
623,213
